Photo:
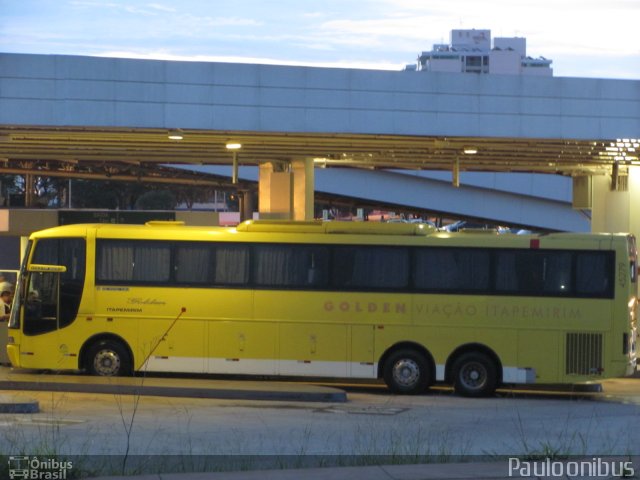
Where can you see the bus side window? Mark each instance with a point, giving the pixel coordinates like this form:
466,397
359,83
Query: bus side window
593,274
231,265
452,269
294,266
313,273
193,263
557,273
370,267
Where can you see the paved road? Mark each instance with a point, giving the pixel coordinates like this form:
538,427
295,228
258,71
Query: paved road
437,426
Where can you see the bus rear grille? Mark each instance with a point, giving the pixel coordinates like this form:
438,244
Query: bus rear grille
584,354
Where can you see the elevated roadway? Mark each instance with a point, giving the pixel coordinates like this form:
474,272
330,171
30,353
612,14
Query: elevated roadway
529,200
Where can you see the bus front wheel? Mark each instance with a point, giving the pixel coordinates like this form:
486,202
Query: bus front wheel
406,372
108,358
475,375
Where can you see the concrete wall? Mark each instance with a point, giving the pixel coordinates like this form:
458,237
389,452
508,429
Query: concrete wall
9,253
57,90
201,219
23,222
19,222
617,211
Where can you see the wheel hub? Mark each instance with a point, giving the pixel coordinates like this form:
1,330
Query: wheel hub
406,372
107,363
474,376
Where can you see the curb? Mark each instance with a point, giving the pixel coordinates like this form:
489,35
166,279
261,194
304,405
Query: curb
18,404
173,387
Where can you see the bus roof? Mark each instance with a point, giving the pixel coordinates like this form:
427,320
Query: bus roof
331,232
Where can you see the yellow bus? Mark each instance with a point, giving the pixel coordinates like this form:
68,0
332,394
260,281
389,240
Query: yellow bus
401,302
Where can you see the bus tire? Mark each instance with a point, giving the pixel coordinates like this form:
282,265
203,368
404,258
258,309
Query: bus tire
406,372
475,375
108,358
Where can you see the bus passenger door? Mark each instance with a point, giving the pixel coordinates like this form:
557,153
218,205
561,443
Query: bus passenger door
41,317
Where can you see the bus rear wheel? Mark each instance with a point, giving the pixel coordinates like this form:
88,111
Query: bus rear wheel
475,375
108,358
406,372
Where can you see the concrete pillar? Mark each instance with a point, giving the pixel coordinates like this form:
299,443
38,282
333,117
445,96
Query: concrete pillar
247,204
287,191
275,192
616,210
303,189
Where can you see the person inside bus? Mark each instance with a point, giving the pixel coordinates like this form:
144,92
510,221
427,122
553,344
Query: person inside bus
4,285
5,304
6,295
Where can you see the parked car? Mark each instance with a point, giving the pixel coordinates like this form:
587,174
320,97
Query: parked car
464,224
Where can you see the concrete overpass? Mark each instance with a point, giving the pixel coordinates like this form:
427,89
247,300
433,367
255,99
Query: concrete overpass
534,201
100,117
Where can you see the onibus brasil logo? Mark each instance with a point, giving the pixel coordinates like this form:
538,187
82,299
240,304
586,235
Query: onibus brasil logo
34,468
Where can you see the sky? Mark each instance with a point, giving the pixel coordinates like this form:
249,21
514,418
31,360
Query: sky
583,38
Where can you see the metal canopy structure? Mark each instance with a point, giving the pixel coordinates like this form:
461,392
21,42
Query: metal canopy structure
136,154
108,117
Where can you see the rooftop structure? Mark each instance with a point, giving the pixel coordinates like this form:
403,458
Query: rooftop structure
470,51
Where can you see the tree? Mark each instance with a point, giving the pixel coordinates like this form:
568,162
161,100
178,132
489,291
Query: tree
156,200
9,185
95,194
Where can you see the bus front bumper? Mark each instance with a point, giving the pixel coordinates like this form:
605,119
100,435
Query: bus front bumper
13,351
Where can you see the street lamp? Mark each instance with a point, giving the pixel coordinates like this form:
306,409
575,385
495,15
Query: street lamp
234,147
470,150
175,134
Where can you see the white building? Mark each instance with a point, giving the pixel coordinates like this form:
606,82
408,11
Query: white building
470,51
